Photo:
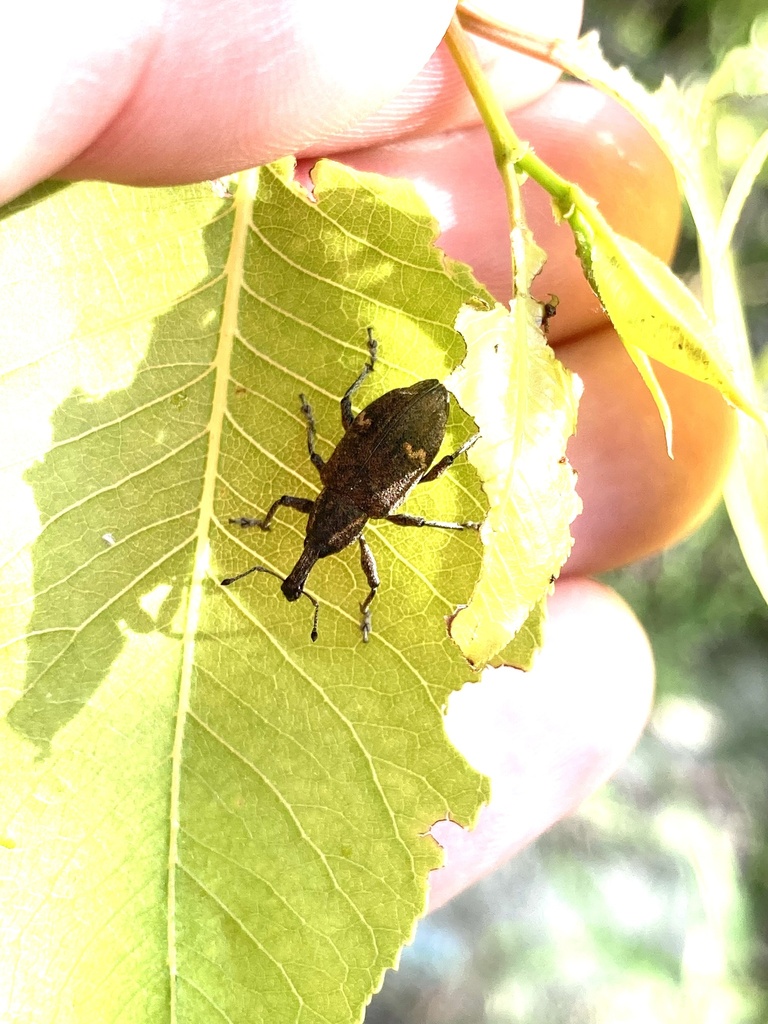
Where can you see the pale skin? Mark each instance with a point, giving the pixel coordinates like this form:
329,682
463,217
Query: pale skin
155,93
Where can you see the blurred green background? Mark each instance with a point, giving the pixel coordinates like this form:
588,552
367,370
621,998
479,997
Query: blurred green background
650,905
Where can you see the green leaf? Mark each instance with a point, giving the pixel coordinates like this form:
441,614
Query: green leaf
739,192
684,122
524,402
647,372
654,312
520,651
207,817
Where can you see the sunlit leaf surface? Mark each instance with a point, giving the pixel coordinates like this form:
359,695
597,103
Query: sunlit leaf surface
205,816
525,404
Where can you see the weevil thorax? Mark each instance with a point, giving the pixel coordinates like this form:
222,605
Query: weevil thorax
334,522
332,526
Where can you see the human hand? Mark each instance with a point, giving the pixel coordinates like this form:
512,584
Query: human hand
149,93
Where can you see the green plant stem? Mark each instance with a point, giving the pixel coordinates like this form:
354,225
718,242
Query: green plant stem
506,146
515,157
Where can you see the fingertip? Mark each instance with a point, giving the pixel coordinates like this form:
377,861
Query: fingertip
548,738
232,85
438,100
636,499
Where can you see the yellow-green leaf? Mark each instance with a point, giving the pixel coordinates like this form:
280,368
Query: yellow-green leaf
522,648
524,402
685,121
653,311
645,368
206,816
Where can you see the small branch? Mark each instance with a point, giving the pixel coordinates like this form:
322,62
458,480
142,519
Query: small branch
512,156
487,27
507,148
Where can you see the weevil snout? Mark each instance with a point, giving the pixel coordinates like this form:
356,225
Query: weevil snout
293,584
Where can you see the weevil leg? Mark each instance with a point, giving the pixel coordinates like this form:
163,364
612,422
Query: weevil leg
373,346
317,460
404,519
346,402
368,563
447,461
304,505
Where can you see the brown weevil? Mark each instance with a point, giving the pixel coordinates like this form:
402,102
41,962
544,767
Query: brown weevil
386,450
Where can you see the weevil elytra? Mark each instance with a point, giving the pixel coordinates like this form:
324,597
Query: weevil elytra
386,450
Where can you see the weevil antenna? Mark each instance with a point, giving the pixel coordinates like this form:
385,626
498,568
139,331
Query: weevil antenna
263,568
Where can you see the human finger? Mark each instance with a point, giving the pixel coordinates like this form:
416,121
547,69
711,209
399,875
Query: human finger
167,92
637,500
438,100
550,737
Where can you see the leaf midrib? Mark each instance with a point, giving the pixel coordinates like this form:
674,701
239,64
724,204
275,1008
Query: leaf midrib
243,203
